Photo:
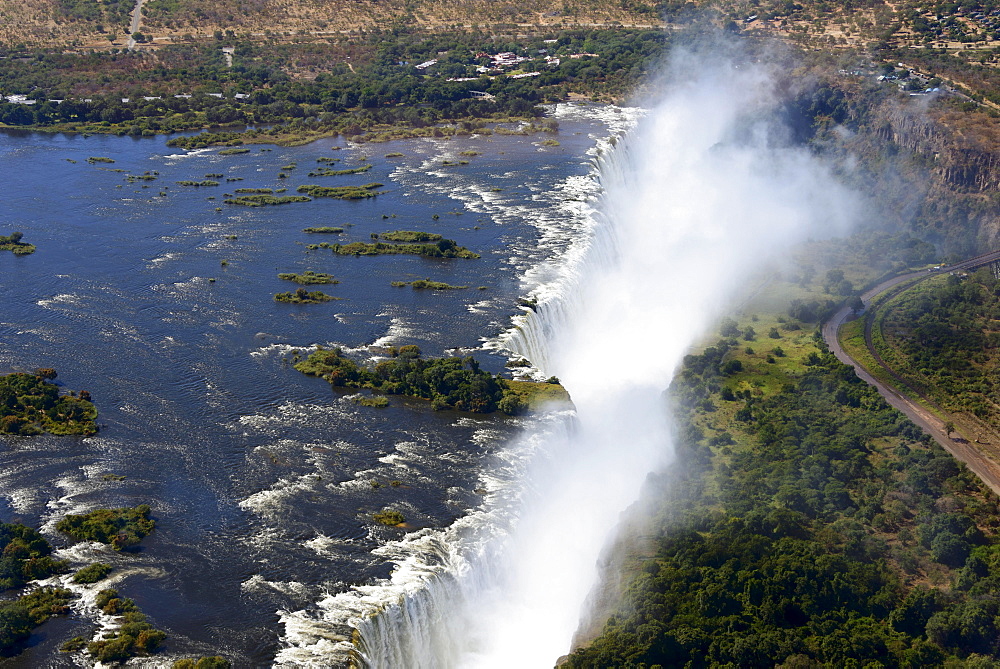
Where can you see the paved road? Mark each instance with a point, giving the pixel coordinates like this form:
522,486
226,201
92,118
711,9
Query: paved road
983,467
136,21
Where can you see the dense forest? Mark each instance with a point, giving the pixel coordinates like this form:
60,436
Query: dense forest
813,524
449,383
348,88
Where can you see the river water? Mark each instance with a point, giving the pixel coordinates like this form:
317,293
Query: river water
260,478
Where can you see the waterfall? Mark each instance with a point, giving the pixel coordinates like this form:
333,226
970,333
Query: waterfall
704,192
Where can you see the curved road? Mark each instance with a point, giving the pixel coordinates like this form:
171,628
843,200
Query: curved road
981,465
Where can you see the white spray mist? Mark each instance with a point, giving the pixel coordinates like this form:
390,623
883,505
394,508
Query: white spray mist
697,199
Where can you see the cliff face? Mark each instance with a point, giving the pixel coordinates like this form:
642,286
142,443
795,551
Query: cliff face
931,170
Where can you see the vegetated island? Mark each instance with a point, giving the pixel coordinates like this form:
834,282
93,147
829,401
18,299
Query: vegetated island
264,200
136,637
342,192
426,284
408,236
443,248
119,528
92,573
388,517
329,172
27,557
303,296
449,383
29,405
323,230
309,278
13,243
206,182
20,616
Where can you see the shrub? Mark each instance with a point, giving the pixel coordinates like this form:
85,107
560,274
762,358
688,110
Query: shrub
117,527
388,517
92,573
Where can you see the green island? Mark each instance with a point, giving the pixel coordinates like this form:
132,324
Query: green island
303,296
207,182
260,191
13,243
449,383
427,284
18,617
445,248
342,192
377,402
26,556
207,662
233,152
118,528
92,573
328,172
134,638
309,278
388,517
410,236
265,200
323,230
30,405
99,159
145,176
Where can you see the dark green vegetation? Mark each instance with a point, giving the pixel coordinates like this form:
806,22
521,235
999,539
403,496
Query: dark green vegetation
233,152
327,172
99,159
388,517
213,662
20,616
303,296
308,278
378,402
25,556
259,191
943,338
323,230
375,99
207,182
341,192
13,243
265,200
92,573
427,284
450,383
29,404
134,638
808,523
445,248
409,236
119,528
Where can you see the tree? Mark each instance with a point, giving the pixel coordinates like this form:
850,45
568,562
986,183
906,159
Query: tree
949,427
